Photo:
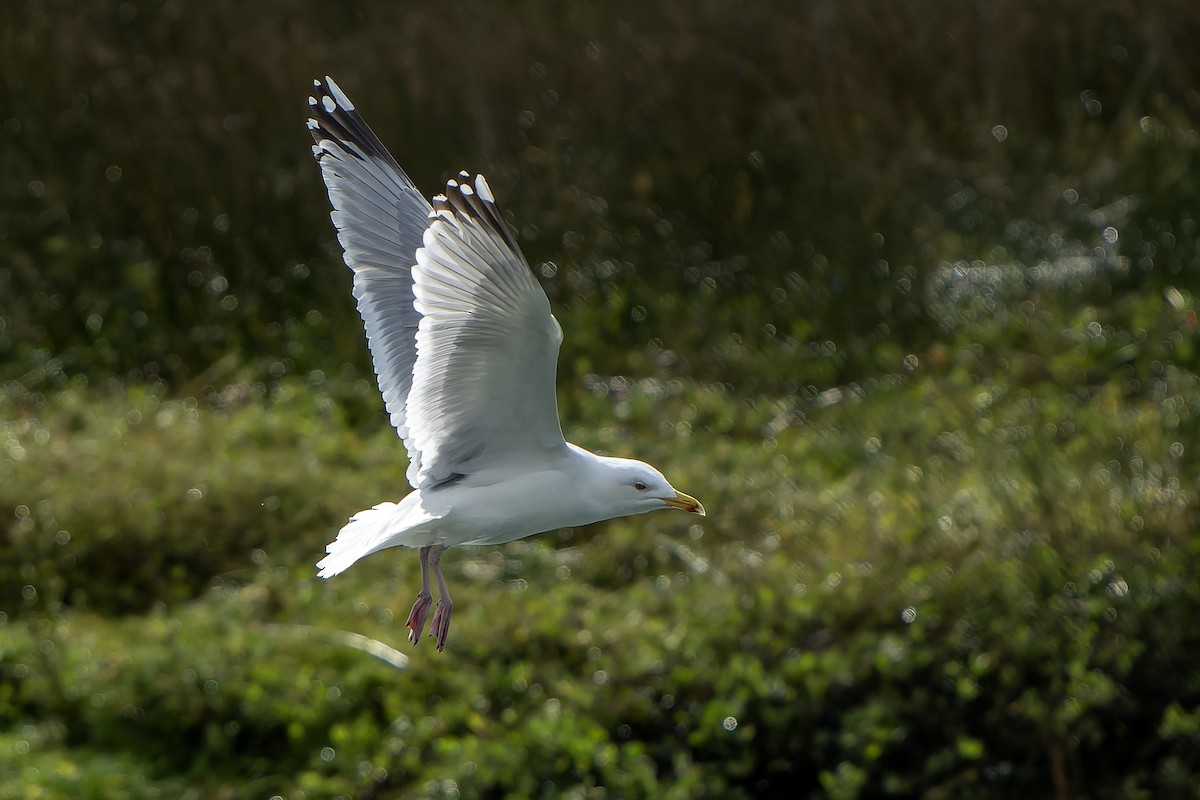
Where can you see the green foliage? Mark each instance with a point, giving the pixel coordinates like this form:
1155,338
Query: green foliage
174,492
954,583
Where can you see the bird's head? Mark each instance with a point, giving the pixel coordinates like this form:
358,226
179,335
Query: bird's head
632,487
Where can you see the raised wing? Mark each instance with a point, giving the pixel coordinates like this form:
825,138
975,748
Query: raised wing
487,345
380,219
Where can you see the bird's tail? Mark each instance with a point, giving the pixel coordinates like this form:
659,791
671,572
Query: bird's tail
370,531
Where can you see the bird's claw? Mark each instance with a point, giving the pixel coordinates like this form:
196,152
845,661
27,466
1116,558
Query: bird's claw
440,627
416,617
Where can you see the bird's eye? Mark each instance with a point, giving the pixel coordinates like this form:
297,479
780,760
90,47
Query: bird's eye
641,487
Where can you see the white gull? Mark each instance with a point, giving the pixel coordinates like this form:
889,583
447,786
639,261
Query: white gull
465,349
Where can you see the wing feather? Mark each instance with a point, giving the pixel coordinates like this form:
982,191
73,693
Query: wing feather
461,334
380,219
487,346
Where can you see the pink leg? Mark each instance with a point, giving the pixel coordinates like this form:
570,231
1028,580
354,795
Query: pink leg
440,627
416,617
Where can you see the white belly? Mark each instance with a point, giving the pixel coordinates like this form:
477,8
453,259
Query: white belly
523,504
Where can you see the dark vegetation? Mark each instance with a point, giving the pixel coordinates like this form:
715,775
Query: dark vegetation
904,292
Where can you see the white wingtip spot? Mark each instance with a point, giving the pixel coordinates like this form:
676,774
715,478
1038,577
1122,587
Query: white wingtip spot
312,101
338,94
483,190
312,124
466,190
328,103
462,173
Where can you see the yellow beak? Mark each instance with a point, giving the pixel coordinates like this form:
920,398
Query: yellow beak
685,502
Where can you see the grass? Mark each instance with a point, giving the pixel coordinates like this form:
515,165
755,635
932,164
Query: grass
719,186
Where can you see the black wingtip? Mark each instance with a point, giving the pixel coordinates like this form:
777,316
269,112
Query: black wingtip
335,118
474,201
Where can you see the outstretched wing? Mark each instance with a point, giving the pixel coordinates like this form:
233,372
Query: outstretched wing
380,219
487,345
460,331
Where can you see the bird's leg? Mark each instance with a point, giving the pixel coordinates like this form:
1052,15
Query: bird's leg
416,617
440,627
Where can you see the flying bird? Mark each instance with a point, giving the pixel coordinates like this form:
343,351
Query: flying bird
465,349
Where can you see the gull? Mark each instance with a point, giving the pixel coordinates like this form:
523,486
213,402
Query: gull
465,349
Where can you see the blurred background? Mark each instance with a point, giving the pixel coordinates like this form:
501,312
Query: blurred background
904,292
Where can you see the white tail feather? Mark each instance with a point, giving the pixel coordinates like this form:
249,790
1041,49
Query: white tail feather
370,531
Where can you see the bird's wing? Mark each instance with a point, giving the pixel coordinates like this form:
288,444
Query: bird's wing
487,344
461,334
380,219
